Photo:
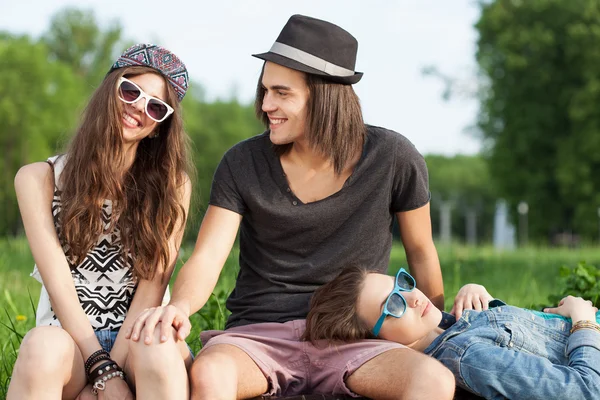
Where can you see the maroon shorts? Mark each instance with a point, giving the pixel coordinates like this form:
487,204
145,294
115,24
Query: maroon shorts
292,366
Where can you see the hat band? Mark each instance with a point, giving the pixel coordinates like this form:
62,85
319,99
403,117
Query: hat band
309,60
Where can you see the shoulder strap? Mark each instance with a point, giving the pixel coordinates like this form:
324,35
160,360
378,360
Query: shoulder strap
57,163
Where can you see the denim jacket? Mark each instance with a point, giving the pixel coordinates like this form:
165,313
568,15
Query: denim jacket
508,352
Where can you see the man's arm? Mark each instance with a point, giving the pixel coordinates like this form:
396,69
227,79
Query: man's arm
415,231
199,275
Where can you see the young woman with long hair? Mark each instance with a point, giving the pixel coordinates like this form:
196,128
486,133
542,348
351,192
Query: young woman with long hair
104,223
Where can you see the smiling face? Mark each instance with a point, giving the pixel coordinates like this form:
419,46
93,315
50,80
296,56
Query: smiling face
420,318
136,123
285,103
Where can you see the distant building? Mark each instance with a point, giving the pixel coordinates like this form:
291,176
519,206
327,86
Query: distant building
504,231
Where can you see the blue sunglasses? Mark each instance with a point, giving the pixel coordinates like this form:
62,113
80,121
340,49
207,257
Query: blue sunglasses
395,305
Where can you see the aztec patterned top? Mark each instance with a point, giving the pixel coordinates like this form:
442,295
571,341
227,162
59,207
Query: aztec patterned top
104,280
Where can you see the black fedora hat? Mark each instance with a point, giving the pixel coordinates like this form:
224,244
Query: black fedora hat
316,47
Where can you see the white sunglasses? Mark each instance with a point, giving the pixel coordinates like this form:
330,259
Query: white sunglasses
155,108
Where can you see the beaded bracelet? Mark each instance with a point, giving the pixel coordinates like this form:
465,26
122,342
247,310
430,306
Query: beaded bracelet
100,384
105,372
584,324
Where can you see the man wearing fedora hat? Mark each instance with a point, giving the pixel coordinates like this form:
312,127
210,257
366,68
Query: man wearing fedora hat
317,191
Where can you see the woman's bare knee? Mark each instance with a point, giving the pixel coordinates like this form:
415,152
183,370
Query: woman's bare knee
158,370
157,358
49,365
45,352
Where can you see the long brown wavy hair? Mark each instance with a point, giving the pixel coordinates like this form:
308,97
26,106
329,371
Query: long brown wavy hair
146,201
332,314
335,126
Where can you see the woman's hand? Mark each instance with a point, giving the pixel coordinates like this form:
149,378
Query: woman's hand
576,308
115,389
470,297
86,393
167,316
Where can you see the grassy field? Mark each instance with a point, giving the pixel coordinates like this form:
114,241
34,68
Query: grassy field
525,278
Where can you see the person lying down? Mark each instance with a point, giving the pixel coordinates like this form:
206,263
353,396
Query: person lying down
494,350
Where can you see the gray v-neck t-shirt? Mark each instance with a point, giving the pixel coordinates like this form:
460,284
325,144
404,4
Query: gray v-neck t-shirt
288,248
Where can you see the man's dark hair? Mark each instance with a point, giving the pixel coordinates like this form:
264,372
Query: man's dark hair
334,126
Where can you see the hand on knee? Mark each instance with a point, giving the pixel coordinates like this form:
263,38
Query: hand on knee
154,358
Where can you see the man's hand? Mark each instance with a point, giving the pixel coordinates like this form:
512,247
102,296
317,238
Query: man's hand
470,297
167,316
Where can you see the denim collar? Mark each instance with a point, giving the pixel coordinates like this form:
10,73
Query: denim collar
449,320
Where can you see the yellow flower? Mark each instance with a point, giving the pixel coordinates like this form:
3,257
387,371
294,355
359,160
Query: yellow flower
21,318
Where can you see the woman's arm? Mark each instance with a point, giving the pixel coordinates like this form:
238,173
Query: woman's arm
34,185
501,372
149,293
496,371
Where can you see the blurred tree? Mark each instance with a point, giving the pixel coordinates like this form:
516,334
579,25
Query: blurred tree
44,86
539,116
75,38
39,102
464,184
213,129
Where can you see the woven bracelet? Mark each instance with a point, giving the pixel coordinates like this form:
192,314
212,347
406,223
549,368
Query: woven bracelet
584,324
91,360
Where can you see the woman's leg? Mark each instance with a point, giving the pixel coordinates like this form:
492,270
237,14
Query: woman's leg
49,366
159,370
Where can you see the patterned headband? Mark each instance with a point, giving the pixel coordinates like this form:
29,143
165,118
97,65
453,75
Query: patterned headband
159,58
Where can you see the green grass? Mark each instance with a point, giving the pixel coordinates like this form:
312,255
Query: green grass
19,294
525,278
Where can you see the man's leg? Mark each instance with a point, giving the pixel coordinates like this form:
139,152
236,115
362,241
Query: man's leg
402,374
226,372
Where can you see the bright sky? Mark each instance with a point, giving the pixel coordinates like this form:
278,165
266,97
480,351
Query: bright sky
396,40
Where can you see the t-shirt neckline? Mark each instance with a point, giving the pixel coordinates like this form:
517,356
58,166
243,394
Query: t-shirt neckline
285,186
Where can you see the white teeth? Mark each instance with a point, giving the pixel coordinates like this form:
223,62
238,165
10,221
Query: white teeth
277,121
130,119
